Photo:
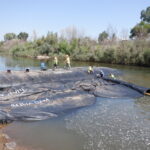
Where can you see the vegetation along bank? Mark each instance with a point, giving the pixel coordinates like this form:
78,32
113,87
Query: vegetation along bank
108,48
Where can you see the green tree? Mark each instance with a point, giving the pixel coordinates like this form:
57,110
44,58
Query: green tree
51,38
147,57
145,15
141,30
45,49
9,36
1,43
23,36
108,56
103,36
64,47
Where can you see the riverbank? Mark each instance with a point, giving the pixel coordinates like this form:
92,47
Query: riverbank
6,143
125,52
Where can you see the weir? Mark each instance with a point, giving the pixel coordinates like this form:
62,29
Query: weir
38,95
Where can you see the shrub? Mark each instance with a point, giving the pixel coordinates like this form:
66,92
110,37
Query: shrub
146,56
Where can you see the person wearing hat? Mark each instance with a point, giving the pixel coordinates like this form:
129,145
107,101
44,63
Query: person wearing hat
112,76
67,61
55,62
90,70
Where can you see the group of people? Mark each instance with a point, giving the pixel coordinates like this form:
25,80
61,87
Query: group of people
68,66
100,74
55,63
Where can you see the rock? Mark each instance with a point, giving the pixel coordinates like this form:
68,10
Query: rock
41,57
38,95
10,146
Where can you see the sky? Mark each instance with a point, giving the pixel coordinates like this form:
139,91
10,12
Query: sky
90,16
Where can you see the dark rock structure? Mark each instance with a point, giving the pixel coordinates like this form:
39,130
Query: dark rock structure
38,95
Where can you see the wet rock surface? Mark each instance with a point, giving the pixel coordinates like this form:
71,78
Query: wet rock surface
6,142
39,95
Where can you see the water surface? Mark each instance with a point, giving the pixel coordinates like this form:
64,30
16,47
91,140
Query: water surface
110,124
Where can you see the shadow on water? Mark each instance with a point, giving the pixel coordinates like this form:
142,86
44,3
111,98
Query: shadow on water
110,124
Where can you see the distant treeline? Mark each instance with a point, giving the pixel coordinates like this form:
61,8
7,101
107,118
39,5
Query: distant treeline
106,49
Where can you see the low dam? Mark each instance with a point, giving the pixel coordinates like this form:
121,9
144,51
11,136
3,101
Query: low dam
38,95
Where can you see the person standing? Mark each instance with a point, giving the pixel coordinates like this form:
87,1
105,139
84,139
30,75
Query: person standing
67,61
55,65
90,70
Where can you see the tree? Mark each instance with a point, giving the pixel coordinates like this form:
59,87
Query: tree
45,49
112,32
103,36
34,36
141,30
145,15
124,34
64,47
71,33
9,36
147,56
23,36
51,38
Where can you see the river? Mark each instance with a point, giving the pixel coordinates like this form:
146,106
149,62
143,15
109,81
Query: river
110,124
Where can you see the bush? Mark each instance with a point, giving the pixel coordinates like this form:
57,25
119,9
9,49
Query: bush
146,56
133,52
64,47
45,49
108,56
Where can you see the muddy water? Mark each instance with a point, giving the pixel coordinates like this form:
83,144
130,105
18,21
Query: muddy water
110,124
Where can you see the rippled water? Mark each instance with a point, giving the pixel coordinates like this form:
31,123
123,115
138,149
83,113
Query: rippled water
110,124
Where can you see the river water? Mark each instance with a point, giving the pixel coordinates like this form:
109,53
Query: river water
110,124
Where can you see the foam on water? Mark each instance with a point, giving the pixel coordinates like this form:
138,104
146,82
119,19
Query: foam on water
112,124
